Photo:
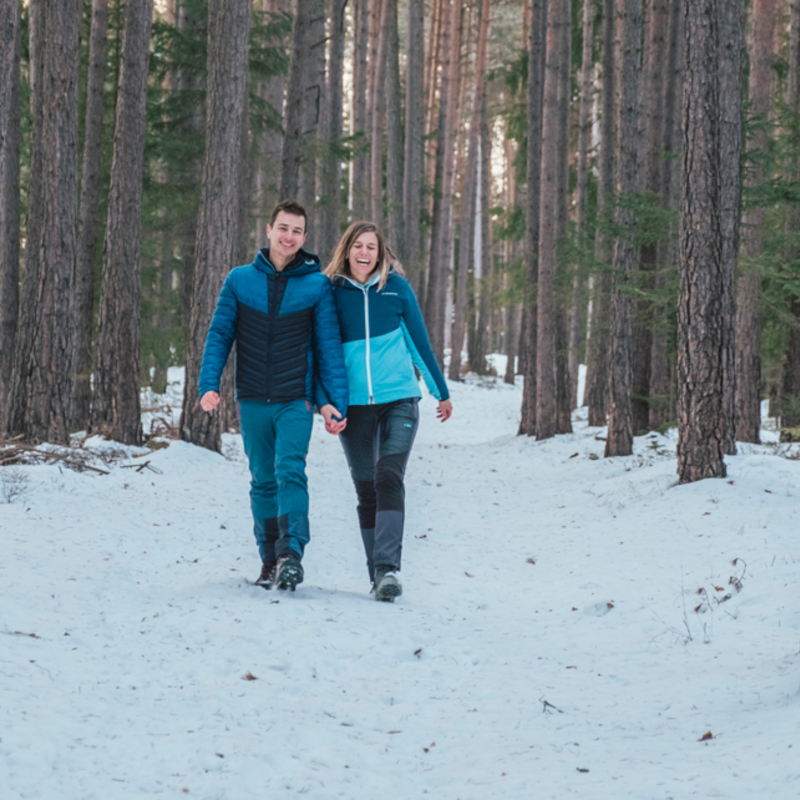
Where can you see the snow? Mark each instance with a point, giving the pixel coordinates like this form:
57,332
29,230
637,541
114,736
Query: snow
547,643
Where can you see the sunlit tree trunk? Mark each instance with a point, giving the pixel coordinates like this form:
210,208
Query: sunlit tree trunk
360,181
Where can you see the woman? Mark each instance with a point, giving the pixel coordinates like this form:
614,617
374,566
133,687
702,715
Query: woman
384,337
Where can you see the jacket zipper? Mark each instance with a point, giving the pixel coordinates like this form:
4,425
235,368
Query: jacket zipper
365,289
270,342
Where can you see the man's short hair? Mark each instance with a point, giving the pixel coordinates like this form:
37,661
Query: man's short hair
289,207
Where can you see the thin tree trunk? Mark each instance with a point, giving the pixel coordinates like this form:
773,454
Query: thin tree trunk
359,185
468,200
790,383
228,32
748,291
596,392
394,137
578,316
536,53
116,410
378,108
87,224
42,375
293,112
661,390
626,254
330,170
10,11
703,305
313,101
412,161
558,28
443,184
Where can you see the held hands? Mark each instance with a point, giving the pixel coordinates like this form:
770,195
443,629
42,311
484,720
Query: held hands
334,423
209,401
444,411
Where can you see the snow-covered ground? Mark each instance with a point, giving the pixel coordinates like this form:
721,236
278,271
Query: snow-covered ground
572,626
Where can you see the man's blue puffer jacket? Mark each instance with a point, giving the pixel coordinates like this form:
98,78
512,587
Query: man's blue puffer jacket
286,332
384,338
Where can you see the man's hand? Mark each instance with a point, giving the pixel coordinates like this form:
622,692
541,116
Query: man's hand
445,410
333,419
209,401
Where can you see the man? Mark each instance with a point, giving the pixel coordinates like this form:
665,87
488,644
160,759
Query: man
281,313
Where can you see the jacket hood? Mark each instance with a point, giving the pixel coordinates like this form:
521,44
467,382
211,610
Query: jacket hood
303,263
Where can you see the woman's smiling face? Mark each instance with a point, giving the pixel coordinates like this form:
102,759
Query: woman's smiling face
363,256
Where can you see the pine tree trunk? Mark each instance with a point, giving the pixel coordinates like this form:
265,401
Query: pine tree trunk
228,32
731,64
330,170
360,181
9,194
293,117
536,53
577,320
42,376
443,184
87,224
702,304
790,379
597,361
626,254
271,141
468,199
748,290
313,100
661,390
378,112
412,161
116,410
558,29
395,225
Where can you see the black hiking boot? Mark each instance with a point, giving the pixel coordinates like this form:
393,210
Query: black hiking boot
386,586
288,572
267,576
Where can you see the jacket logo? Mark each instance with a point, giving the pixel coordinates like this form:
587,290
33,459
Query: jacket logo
390,294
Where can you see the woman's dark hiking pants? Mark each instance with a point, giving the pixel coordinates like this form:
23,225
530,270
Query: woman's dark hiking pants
377,442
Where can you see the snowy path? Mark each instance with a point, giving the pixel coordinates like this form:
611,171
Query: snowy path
546,645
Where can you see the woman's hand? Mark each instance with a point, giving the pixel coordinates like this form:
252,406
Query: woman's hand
333,419
445,410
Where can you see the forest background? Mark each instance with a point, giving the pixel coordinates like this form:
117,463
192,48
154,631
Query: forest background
601,182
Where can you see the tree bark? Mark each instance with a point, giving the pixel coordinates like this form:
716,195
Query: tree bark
299,65
42,376
228,32
313,100
790,379
395,224
412,161
596,392
443,183
626,254
378,107
116,410
748,292
10,11
555,72
330,170
702,304
536,53
468,199
360,182
577,322
87,223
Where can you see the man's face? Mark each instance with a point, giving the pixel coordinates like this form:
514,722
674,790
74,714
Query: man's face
287,235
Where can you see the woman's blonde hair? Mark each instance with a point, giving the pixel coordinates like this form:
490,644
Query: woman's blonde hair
340,264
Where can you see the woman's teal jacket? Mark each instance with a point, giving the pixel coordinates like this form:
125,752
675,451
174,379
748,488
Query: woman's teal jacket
384,337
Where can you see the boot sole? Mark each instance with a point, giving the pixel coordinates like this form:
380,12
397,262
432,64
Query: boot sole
388,592
290,576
